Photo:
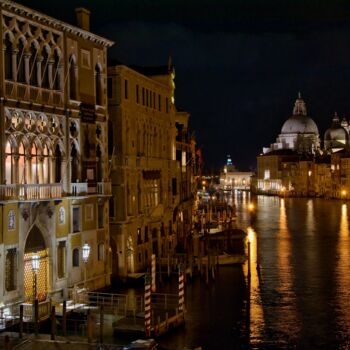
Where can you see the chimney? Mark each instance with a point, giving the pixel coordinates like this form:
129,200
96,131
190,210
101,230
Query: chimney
83,18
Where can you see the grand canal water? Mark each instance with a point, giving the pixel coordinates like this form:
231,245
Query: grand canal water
300,299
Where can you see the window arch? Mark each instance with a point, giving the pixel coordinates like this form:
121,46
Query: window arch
46,164
98,84
21,74
34,164
72,78
21,164
56,77
45,71
8,57
74,164
58,162
9,163
33,65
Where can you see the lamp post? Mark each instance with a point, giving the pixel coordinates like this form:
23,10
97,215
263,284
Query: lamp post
86,254
35,268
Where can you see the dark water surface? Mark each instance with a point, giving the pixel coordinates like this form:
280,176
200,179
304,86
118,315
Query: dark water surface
301,300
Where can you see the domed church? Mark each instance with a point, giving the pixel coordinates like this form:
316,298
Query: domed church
336,137
299,132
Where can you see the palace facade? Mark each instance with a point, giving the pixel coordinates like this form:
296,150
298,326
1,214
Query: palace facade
54,162
151,168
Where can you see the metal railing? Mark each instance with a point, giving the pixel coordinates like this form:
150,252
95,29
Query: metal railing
30,191
44,309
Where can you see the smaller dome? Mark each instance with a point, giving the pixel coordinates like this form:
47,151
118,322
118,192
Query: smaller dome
336,136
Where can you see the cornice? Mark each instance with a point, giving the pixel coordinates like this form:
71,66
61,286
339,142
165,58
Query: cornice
53,22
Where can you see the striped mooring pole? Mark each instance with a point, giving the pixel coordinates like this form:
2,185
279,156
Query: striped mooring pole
147,305
181,289
153,272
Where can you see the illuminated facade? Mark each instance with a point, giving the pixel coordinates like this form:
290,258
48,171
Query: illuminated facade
54,166
145,185
296,165
232,179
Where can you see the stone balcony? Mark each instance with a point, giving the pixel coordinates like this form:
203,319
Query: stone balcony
30,191
33,192
25,92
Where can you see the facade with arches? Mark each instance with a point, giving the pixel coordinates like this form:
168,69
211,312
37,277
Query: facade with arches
54,169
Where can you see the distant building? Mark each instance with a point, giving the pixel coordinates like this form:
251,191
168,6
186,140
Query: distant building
297,165
233,179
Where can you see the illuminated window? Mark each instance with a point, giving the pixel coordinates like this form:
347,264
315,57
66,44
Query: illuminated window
9,164
61,215
267,175
11,220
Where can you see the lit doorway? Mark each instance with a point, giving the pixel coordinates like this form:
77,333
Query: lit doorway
35,245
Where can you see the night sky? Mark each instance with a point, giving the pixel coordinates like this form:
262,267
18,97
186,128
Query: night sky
239,63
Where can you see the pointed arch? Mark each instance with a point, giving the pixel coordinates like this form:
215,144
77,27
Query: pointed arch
45,69
73,77
8,52
33,63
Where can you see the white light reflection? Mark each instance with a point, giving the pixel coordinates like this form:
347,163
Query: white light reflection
257,321
286,286
342,267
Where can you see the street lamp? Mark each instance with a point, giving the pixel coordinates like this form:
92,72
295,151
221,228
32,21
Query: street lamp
86,254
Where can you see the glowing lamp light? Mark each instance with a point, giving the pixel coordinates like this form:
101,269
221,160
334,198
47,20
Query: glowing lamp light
35,263
251,206
343,192
86,252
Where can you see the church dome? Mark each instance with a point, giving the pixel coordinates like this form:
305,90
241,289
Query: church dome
336,135
299,122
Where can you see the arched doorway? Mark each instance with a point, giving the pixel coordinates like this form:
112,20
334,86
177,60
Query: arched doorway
35,245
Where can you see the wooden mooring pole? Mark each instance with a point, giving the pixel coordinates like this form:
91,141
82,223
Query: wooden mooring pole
21,321
64,318
53,322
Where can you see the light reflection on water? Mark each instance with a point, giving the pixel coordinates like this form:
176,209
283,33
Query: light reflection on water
301,299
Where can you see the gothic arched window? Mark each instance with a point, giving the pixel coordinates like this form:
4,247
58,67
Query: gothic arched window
21,74
45,71
72,78
33,65
9,164
8,57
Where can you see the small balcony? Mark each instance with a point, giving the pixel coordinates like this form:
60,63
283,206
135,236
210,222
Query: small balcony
30,191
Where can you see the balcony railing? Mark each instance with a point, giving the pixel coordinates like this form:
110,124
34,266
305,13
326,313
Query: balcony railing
104,188
78,188
30,191
27,92
44,309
